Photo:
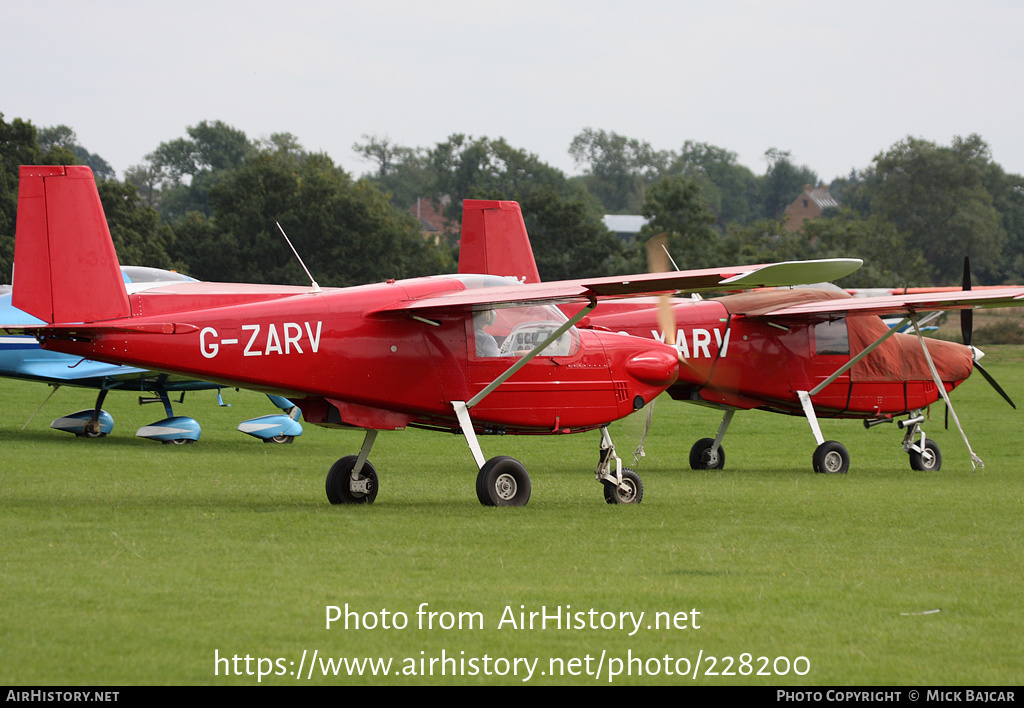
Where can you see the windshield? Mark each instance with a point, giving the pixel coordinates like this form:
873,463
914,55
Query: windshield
515,331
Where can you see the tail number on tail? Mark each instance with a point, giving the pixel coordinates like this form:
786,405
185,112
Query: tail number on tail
290,338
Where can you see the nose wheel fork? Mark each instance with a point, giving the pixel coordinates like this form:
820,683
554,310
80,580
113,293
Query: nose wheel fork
621,485
924,452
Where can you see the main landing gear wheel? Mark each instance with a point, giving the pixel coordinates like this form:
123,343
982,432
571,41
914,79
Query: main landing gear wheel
339,487
503,481
928,461
701,457
631,491
831,458
280,439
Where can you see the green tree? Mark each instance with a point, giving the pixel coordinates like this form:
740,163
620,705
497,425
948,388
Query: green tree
568,237
888,260
20,145
764,241
1007,192
138,236
180,173
783,182
346,231
676,205
616,168
61,137
402,172
732,191
936,196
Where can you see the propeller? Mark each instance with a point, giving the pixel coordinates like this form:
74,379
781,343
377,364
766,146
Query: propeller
967,315
967,330
658,261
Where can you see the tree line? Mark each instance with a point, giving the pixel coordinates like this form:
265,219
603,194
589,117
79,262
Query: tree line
209,204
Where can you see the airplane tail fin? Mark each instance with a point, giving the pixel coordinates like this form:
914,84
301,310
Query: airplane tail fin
65,266
495,242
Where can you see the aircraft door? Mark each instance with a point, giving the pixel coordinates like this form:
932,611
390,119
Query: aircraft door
830,351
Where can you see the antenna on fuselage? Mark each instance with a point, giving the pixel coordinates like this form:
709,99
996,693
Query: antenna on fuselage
670,258
316,288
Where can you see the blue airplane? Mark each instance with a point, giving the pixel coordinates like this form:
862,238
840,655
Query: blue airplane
22,358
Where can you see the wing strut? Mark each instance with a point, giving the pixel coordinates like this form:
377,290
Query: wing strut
975,460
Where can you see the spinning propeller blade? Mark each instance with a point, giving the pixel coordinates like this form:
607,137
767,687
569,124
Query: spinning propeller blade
992,381
967,316
658,262
967,331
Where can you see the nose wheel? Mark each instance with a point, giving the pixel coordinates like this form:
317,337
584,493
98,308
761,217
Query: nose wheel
629,491
924,453
927,460
621,485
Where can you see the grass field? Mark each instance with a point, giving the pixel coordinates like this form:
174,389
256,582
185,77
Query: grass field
127,562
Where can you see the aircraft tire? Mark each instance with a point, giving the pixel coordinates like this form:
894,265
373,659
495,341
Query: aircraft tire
613,494
338,491
930,461
831,458
700,456
280,439
503,481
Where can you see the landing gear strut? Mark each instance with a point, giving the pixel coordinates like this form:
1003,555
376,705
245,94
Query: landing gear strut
924,454
621,486
707,453
92,427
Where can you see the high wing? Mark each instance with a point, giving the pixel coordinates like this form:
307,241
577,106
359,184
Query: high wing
710,279
906,304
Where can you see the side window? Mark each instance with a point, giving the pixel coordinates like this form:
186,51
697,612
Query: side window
832,337
483,326
514,331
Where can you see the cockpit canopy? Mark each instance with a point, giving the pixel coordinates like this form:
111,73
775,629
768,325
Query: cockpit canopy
512,331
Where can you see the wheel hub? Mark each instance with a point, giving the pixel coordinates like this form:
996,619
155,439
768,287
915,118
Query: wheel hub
833,462
505,486
627,491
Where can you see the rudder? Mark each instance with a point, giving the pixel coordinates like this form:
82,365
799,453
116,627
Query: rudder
65,266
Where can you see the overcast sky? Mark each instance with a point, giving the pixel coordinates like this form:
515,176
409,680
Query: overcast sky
835,83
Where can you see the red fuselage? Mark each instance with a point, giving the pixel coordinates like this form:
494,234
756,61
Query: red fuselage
347,359
744,360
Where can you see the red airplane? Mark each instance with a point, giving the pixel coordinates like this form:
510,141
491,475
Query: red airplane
423,352
818,353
